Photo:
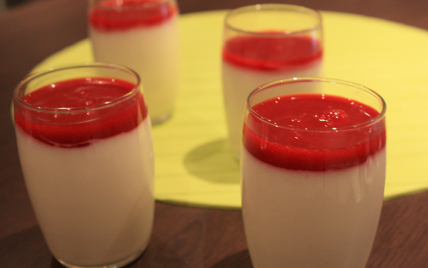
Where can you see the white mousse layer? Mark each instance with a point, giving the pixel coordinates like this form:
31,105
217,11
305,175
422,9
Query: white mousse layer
239,82
94,204
153,52
311,219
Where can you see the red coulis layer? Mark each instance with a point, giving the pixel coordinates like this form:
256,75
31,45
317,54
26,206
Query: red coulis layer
271,53
113,15
78,128
298,147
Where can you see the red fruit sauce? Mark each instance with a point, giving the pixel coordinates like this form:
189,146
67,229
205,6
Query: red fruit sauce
271,53
113,15
319,135
77,128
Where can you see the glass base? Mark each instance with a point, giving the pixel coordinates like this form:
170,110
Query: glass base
118,264
160,119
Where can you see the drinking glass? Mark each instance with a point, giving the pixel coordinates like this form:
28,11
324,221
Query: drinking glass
85,146
313,173
264,43
143,35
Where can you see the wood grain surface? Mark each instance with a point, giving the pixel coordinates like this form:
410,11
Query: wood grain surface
182,236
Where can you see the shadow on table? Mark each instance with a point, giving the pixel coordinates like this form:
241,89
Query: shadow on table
24,248
214,162
237,260
56,264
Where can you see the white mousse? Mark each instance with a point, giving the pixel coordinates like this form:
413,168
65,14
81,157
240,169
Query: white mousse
239,82
311,219
94,204
153,52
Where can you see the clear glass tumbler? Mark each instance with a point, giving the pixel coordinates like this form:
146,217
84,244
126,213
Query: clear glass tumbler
143,35
264,43
85,146
313,173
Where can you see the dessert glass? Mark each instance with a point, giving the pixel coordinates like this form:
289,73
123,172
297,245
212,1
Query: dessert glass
264,43
312,196
85,147
143,35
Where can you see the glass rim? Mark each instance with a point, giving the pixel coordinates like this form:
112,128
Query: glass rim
64,110
143,5
274,6
354,127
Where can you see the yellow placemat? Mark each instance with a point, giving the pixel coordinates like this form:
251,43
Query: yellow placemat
193,163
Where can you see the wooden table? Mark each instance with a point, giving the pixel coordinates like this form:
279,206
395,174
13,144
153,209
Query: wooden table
182,236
